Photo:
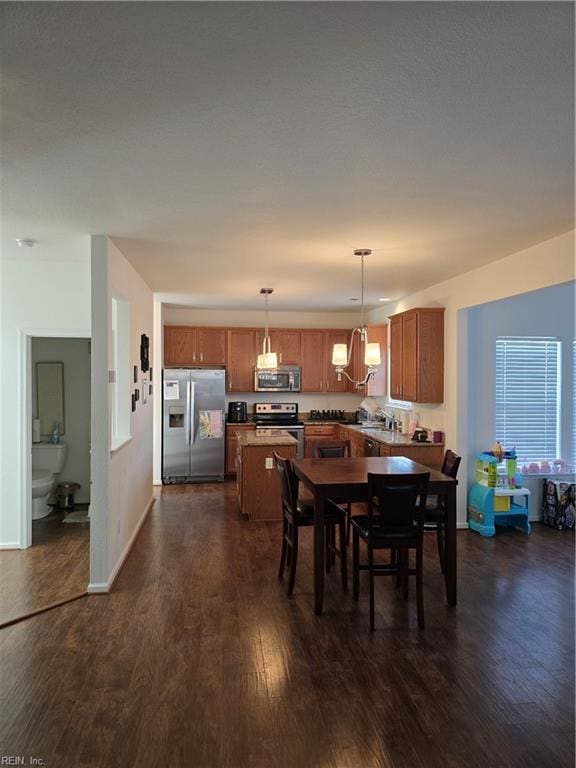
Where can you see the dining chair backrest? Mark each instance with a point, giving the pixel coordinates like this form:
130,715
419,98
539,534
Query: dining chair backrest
337,449
397,502
288,484
450,464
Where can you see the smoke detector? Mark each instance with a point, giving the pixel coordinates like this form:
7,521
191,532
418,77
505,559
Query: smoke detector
26,242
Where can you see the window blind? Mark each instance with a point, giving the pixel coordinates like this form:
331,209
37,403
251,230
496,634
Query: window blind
528,396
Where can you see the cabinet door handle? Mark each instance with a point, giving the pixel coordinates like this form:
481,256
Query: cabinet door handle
194,357
280,356
201,357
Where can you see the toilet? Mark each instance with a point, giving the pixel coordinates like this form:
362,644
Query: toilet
48,460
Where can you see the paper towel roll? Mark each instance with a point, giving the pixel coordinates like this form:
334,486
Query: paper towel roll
35,430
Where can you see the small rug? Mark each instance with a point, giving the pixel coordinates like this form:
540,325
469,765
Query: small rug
77,517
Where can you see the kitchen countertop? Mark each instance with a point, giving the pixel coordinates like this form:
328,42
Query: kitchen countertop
252,440
388,437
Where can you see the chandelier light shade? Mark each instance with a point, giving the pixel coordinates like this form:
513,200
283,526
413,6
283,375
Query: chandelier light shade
267,360
342,353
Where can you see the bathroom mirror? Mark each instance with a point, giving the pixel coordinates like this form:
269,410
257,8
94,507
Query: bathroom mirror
50,396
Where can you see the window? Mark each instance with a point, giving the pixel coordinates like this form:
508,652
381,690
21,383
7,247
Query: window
528,396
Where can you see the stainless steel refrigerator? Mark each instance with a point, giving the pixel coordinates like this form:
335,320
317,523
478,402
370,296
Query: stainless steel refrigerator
193,430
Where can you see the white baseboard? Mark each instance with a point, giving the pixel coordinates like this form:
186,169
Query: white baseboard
11,545
102,588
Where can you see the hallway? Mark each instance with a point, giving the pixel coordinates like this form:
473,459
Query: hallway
199,660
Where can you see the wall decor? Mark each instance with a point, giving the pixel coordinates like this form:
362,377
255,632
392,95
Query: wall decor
144,390
133,403
135,374
136,394
144,352
50,397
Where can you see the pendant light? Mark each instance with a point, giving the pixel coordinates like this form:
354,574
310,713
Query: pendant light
342,353
267,361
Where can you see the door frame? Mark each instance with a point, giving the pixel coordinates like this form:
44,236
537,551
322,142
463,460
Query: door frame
26,336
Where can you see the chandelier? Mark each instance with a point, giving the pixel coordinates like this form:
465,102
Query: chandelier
342,354
267,361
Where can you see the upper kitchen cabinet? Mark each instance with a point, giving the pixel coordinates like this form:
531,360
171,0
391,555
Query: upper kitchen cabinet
417,355
318,373
286,343
313,361
179,345
186,346
211,346
331,383
241,355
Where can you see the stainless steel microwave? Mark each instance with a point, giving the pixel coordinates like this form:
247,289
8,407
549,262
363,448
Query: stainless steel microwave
285,379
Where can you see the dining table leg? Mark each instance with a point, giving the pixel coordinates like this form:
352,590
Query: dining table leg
318,551
450,554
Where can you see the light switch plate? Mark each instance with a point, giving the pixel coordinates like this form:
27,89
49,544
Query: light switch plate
269,463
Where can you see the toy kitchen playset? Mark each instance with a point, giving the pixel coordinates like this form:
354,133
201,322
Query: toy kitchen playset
497,497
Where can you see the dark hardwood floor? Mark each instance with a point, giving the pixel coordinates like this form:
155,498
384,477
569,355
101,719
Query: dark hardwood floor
199,660
56,567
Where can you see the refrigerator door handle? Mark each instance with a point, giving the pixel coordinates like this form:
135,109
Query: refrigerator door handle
191,404
187,423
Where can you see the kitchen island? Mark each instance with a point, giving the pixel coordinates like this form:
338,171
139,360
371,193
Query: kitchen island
257,481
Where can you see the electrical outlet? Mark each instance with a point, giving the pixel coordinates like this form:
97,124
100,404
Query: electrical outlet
269,463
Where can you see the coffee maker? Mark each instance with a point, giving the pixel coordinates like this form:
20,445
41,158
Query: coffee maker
237,412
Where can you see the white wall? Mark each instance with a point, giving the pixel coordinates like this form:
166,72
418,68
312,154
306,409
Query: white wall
548,263
255,318
123,477
40,297
75,355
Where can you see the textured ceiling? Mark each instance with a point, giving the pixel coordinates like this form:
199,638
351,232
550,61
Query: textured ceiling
228,146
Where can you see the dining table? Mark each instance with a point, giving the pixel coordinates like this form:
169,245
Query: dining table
346,480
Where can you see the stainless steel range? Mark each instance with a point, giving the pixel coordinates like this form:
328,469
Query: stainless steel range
273,417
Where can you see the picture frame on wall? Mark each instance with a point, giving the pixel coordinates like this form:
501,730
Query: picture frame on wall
133,403
135,374
136,394
144,391
144,353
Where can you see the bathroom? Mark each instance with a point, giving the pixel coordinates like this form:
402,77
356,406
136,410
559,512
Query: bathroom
60,437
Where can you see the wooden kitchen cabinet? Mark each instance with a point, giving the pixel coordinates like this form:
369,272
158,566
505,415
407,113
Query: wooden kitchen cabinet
179,346
313,361
286,343
331,383
319,433
232,432
241,360
417,355
211,346
318,373
186,346
356,441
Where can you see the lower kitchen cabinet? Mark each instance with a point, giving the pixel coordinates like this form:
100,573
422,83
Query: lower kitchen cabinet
257,482
318,433
232,432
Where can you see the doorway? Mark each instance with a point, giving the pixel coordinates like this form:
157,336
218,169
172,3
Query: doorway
53,564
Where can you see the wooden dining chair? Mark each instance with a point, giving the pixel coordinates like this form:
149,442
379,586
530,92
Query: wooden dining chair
435,512
394,521
335,449
298,513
